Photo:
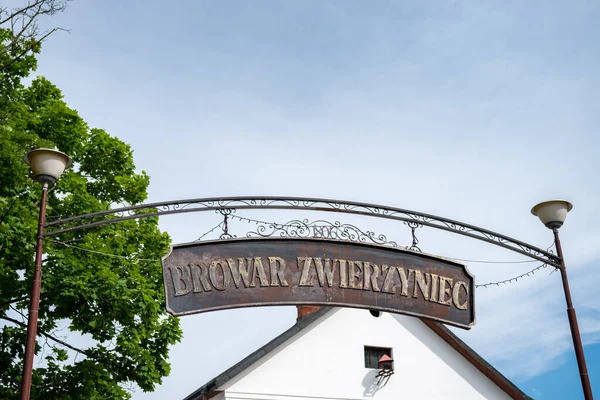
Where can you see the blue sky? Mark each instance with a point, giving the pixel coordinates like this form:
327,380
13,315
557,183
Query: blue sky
561,383
471,110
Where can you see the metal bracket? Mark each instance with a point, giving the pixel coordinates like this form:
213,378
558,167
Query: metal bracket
225,212
413,226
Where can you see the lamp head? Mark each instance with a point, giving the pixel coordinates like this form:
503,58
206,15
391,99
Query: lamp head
385,362
552,213
47,165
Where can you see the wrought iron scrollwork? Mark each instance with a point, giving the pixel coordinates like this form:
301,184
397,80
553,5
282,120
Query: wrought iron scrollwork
226,212
320,229
413,227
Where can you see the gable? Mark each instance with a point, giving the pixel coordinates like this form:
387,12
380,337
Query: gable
326,360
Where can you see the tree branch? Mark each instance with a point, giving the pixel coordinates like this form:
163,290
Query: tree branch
42,333
29,48
8,303
9,208
20,11
24,27
28,32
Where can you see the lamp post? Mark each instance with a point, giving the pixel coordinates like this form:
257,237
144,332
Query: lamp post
552,214
47,166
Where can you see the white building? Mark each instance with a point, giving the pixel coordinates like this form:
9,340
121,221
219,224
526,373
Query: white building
331,353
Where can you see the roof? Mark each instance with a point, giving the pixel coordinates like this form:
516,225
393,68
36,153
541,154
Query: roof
478,362
210,389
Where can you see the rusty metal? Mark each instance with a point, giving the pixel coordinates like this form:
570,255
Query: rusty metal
34,302
218,275
62,225
583,373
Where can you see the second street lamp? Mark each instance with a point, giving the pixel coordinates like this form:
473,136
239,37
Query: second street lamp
47,166
553,214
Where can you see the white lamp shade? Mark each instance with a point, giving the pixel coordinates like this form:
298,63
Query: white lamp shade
552,213
47,165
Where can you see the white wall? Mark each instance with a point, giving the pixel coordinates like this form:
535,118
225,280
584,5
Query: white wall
327,361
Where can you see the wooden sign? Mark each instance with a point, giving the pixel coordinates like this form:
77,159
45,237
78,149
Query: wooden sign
219,275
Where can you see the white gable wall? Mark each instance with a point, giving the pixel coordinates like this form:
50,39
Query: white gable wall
326,361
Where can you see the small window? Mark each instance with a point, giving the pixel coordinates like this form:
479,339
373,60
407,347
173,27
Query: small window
373,354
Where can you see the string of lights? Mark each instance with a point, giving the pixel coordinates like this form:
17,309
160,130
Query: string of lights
491,262
485,285
125,257
256,221
514,279
220,224
103,253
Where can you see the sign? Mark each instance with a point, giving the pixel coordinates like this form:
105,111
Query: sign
219,275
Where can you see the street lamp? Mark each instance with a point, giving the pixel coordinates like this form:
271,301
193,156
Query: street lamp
47,166
552,214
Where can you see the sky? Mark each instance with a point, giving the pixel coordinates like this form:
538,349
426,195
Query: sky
474,111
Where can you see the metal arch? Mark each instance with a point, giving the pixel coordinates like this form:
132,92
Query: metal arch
63,225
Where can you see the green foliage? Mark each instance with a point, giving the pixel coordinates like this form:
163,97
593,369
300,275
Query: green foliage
113,306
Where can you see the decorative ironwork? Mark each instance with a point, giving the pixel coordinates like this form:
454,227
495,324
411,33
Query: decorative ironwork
225,212
62,225
320,229
413,226
383,376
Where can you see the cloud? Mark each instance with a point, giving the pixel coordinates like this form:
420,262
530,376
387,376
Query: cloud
470,111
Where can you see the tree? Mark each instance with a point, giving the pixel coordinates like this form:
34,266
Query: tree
104,284
20,39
